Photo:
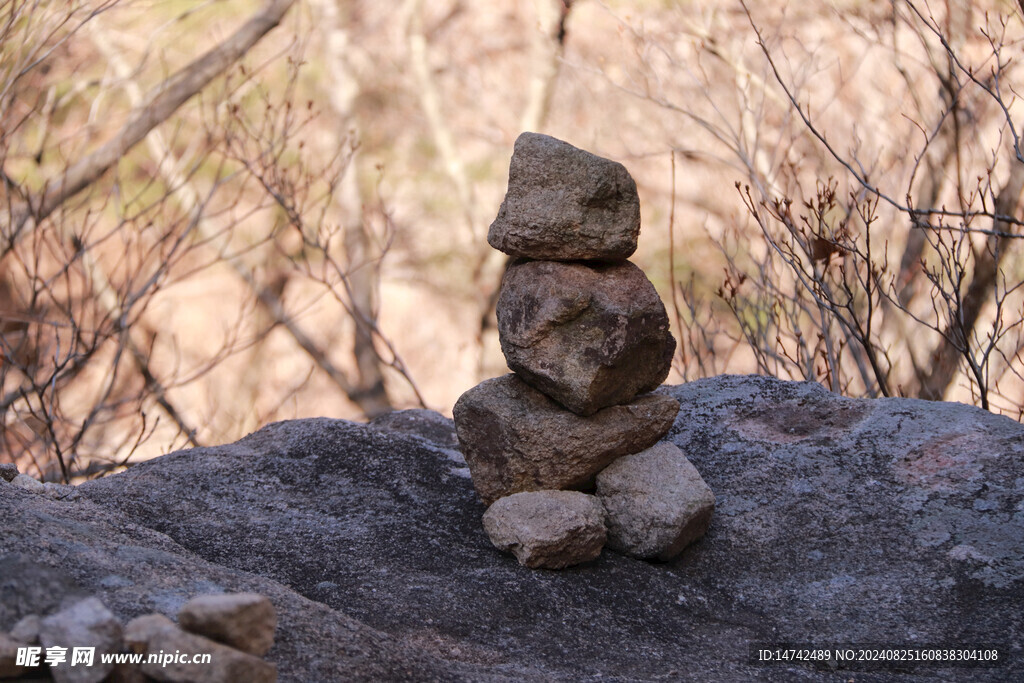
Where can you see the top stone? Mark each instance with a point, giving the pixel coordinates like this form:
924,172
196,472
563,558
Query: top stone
564,204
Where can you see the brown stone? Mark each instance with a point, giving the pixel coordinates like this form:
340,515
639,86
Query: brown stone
155,634
587,335
245,621
565,204
657,502
549,529
517,439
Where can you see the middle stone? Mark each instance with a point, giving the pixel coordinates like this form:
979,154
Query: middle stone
587,335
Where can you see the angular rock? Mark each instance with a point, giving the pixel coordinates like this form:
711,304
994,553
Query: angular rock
87,623
8,471
155,633
657,502
565,204
245,621
587,335
517,439
547,529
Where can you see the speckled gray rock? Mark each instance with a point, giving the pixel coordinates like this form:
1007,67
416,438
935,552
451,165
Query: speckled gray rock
53,553
565,204
547,529
245,621
87,623
426,424
837,520
587,335
517,439
155,633
657,502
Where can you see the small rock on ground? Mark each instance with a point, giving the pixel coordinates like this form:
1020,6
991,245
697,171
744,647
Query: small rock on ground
547,529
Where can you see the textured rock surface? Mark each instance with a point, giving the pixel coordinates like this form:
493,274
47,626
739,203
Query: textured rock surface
8,471
657,502
565,204
588,336
155,634
87,623
549,529
836,521
426,424
245,621
55,552
517,439
26,588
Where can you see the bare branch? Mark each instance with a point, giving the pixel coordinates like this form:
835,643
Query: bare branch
163,101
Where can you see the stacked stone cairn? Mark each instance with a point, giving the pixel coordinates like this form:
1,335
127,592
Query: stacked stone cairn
587,339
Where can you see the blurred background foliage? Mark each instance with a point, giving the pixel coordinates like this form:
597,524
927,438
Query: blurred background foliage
216,214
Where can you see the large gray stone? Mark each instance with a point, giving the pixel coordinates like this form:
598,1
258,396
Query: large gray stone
838,521
549,529
656,501
565,204
517,439
587,335
67,549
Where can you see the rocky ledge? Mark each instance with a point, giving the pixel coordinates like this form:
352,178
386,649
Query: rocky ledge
838,522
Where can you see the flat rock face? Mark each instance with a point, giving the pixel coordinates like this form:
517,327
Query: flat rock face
587,335
657,502
517,439
565,204
836,521
549,529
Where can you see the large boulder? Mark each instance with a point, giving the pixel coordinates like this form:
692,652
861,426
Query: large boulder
657,502
565,204
837,522
549,529
517,439
587,335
